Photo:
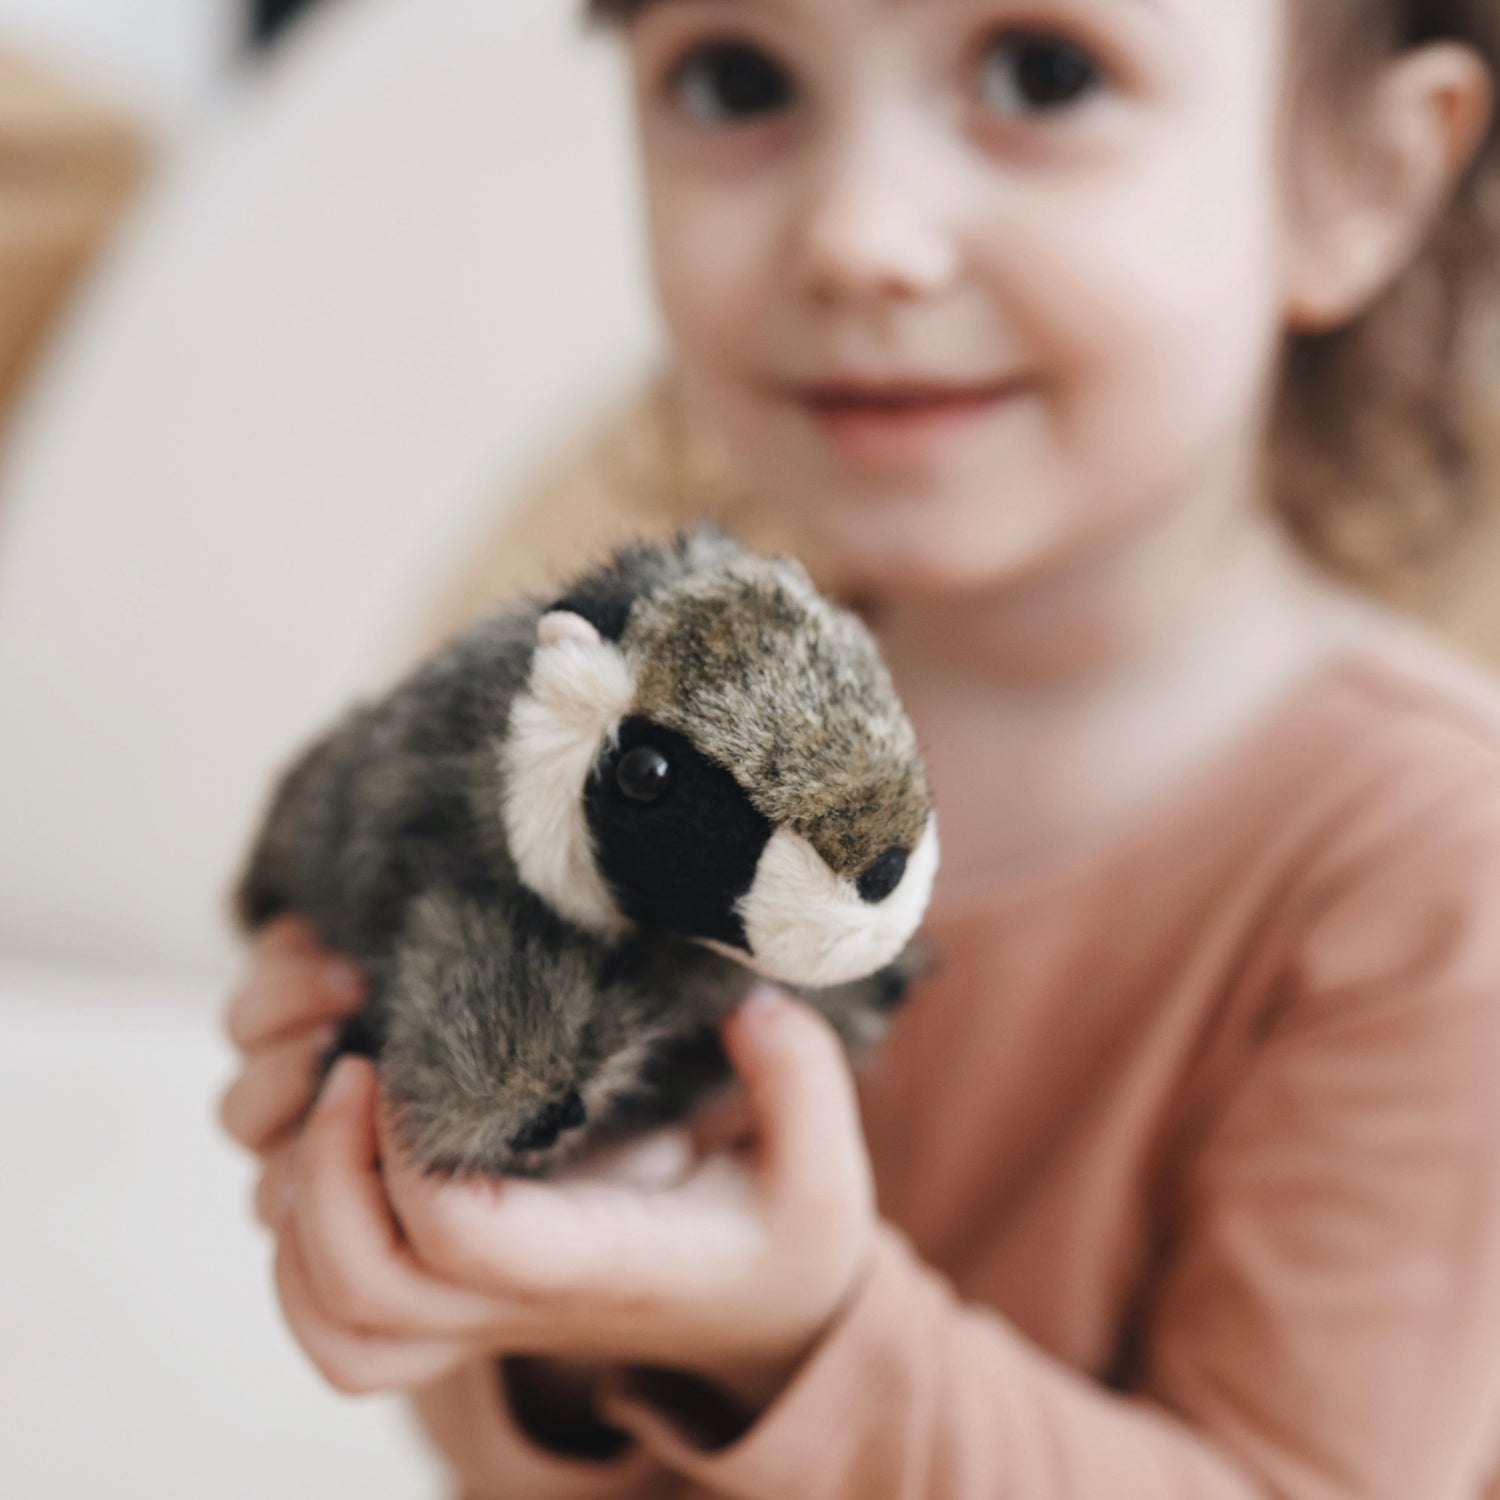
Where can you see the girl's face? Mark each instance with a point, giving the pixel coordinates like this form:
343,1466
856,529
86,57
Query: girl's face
970,287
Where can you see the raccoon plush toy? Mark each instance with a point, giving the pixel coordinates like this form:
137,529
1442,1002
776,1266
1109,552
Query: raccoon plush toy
562,848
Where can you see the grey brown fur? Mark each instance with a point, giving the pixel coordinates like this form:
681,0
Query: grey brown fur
804,715
492,1016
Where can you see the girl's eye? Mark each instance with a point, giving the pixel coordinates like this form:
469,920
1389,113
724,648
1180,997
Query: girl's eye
728,83
1031,73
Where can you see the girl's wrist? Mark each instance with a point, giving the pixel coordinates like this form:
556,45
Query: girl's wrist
757,1383
754,1386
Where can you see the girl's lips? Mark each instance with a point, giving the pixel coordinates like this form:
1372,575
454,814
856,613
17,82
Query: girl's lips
900,425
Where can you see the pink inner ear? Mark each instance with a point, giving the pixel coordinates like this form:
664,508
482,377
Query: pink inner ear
561,625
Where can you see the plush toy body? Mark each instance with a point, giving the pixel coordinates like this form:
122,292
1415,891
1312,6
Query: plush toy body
562,848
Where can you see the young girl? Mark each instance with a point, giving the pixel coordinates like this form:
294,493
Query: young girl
1097,348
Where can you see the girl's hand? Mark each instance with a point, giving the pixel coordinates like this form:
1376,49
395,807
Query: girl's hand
282,1020
728,1266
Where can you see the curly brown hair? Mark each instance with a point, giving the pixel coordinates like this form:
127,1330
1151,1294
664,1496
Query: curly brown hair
1386,440
1385,448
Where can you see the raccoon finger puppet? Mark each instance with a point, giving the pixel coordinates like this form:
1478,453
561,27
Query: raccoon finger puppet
562,848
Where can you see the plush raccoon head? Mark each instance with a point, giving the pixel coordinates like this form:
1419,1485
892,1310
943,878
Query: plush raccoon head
707,747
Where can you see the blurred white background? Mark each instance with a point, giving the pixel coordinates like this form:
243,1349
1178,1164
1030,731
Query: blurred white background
166,57
370,289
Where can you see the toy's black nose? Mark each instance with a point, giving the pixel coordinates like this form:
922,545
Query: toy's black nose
882,877
544,1128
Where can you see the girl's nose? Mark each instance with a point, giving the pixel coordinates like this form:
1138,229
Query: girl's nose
870,230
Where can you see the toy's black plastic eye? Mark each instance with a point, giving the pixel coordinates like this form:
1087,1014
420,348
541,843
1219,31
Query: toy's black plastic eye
644,775
883,876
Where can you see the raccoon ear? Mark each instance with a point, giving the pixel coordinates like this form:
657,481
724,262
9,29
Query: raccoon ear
606,616
796,567
707,544
559,625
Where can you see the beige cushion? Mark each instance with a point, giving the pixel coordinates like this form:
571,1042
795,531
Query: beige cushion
68,166
393,276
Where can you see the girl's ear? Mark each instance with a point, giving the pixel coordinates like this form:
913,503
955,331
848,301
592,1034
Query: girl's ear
1370,202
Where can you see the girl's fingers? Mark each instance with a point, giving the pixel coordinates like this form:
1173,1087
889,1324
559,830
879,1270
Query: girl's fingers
353,1362
660,1159
287,934
292,983
578,1254
274,1089
723,1125
358,1265
810,1151
518,1242
273,1193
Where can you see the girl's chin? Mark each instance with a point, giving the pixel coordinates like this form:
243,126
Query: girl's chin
921,567
919,549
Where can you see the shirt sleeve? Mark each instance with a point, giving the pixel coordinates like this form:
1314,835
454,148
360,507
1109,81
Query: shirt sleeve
1326,1318
69,164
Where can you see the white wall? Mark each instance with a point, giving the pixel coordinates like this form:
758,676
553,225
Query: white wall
142,1352
165,57
374,290
385,284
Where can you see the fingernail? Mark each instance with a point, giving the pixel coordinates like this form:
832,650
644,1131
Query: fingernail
763,997
343,980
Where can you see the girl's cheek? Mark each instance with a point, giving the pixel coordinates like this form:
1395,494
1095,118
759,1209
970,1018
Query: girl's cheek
713,258
1164,277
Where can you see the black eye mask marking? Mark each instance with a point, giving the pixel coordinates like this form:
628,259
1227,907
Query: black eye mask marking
680,847
606,614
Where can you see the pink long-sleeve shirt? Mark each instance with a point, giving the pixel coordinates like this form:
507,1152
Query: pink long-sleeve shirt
1188,1161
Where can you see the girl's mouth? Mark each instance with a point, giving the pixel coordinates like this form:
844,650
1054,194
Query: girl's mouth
899,424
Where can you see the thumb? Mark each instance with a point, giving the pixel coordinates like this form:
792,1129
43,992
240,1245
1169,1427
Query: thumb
341,1131
800,1094
344,1111
337,1151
